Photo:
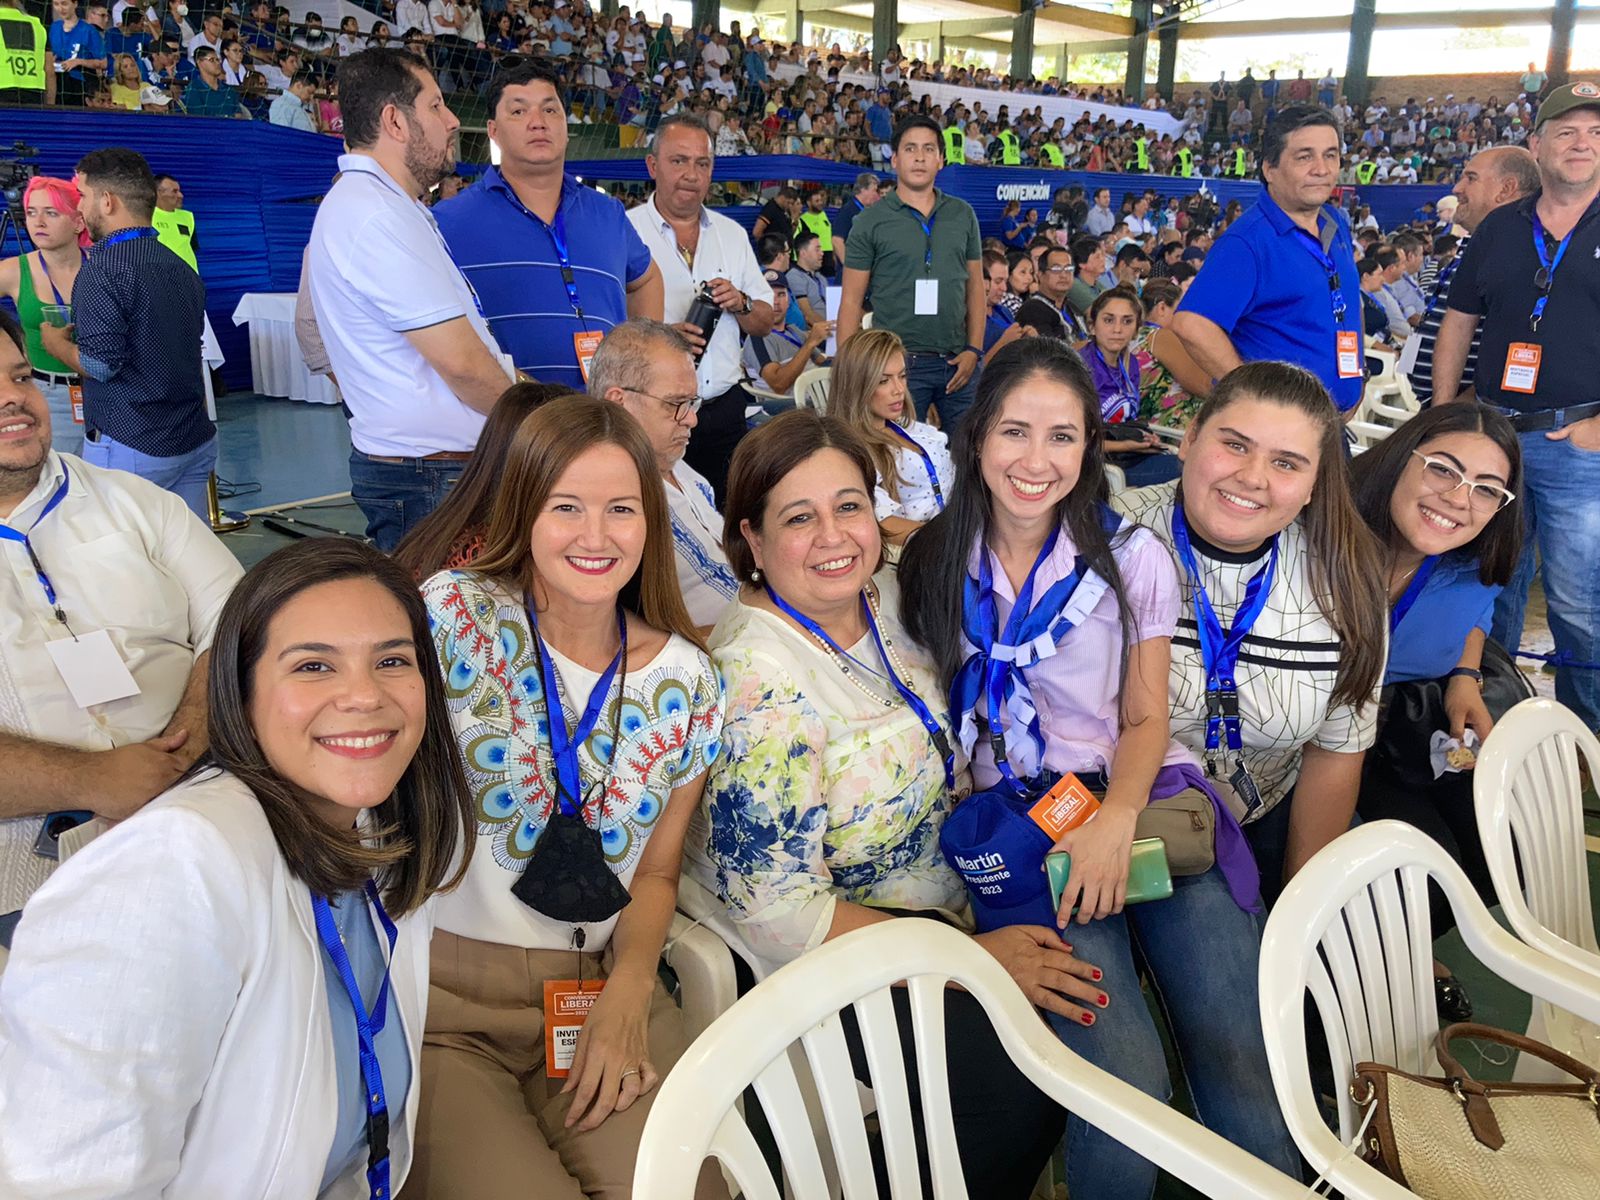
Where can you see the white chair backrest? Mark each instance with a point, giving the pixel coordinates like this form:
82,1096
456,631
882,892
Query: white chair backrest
1352,928
1528,798
811,389
799,1006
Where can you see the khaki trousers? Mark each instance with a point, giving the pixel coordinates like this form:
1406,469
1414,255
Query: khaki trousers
491,1124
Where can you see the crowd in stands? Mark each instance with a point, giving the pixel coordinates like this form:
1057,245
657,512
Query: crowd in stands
759,98
380,818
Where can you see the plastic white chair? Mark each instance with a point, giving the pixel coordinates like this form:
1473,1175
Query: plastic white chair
1352,928
704,967
1528,798
811,389
694,1115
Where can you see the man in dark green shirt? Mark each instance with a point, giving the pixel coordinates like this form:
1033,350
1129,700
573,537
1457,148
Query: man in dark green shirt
920,253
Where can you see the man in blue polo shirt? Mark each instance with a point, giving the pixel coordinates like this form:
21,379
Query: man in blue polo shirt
1281,283
555,264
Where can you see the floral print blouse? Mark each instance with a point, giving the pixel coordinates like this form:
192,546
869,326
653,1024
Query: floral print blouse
821,792
668,734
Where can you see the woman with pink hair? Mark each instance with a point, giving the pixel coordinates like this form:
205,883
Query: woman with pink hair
42,279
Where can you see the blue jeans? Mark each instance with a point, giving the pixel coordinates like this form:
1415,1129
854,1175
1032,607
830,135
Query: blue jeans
184,475
927,377
1200,950
395,494
66,435
1561,505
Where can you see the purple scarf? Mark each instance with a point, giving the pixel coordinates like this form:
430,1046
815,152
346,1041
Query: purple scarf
1234,856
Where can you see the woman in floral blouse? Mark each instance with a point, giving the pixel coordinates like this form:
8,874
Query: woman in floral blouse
573,594
838,769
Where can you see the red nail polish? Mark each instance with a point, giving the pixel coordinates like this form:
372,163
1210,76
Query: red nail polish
1097,976
1104,1000
1088,1018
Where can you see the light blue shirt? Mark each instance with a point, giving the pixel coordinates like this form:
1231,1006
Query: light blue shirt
287,110
1428,641
367,951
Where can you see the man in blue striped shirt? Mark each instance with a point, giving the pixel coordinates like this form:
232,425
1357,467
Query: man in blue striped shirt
139,314
555,264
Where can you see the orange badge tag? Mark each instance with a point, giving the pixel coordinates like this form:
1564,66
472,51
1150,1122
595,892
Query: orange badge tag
1064,807
75,393
566,1006
1522,367
1349,349
584,344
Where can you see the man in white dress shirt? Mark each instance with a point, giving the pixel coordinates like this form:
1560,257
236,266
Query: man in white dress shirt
405,333
695,247
647,367
108,603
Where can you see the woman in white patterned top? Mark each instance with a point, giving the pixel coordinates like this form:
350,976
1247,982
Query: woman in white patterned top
574,594
1262,518
912,459
839,768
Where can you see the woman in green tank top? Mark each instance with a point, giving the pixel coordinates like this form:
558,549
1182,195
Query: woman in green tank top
44,277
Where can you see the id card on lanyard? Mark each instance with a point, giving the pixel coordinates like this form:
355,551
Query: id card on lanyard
1523,359
1219,653
925,300
1347,342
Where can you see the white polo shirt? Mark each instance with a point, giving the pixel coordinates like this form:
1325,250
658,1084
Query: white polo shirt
724,252
124,556
704,576
379,269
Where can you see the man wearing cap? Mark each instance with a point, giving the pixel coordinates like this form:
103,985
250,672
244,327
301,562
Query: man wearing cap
1532,274
777,360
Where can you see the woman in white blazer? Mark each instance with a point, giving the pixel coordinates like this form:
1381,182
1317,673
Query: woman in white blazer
172,1022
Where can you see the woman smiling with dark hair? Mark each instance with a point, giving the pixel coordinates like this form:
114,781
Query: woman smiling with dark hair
223,995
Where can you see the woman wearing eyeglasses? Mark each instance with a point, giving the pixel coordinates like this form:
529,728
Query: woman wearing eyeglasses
1441,496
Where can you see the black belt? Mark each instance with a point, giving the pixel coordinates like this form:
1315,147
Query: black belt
1547,418
52,377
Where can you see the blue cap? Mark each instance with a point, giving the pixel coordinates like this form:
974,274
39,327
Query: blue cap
994,845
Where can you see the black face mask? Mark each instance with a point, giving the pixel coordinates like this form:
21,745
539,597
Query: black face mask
568,878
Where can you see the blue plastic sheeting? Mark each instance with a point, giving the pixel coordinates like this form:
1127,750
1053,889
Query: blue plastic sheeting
251,186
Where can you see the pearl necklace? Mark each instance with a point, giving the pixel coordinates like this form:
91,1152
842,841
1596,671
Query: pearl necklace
843,662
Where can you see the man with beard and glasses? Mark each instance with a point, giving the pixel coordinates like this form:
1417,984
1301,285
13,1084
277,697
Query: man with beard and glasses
138,317
122,574
405,332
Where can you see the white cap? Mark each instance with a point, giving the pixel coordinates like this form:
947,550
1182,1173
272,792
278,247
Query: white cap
151,94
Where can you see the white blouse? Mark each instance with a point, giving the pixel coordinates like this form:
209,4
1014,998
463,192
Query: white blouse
917,499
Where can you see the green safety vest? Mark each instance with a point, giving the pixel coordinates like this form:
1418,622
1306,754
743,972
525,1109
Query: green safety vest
22,49
1186,162
1366,172
818,223
1053,155
955,146
1010,149
1238,164
175,231
1141,148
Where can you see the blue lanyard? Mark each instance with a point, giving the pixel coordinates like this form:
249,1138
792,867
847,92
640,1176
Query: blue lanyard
1218,652
1335,288
927,461
564,743
927,228
1409,597
996,677
558,239
941,742
9,534
1126,401
368,1026
1546,278
790,338
45,267
126,235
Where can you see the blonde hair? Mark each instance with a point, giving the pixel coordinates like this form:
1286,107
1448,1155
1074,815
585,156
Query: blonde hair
859,366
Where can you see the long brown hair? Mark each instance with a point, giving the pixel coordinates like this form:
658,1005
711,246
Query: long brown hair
544,445
1347,577
414,834
861,362
427,547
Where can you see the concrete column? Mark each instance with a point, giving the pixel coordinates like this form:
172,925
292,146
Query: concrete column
1559,65
885,29
1022,44
1061,63
707,10
1167,61
1357,83
1138,44
936,43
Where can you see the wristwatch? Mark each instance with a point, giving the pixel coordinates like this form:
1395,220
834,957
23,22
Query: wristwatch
748,304
1467,672
976,350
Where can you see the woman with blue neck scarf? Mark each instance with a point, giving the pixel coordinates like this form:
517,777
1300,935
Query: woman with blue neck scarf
1051,620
